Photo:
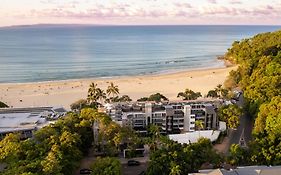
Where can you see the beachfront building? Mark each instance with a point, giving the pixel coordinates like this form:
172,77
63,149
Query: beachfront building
203,112
140,115
171,117
27,120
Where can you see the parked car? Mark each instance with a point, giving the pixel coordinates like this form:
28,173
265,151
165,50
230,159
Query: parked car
133,163
85,171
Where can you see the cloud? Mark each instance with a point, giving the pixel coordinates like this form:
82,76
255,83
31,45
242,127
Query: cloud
131,13
235,2
212,1
259,11
183,5
99,11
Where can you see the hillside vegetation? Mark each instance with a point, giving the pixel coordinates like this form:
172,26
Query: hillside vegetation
259,76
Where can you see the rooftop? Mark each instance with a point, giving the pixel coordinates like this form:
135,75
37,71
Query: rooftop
247,170
15,119
192,137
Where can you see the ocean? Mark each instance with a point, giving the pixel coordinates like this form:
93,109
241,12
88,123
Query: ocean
61,52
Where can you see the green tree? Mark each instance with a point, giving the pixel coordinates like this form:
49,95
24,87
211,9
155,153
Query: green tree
92,91
231,115
10,148
100,94
124,98
174,158
79,104
269,118
213,94
112,90
51,164
189,95
222,93
106,166
154,97
238,155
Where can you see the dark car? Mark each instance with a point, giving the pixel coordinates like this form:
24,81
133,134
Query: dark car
133,163
85,171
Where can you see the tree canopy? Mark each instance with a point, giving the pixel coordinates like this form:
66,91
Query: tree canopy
174,158
259,76
189,95
231,115
106,166
58,148
154,97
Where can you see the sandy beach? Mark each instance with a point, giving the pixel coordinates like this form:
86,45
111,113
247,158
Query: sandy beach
63,93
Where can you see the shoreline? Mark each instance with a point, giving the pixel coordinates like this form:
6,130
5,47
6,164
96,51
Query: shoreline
65,92
168,72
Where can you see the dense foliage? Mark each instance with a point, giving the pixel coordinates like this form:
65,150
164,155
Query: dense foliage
230,114
58,148
189,95
106,166
154,97
174,159
259,76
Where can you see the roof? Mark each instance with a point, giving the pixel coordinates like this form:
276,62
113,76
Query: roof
19,119
248,170
254,170
192,137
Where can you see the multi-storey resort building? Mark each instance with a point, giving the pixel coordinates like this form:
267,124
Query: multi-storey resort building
171,117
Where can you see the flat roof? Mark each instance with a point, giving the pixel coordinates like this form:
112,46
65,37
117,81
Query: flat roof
19,119
192,137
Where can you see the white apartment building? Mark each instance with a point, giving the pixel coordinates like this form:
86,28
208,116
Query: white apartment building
171,117
204,112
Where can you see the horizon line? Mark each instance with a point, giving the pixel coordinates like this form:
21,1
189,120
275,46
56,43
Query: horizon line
83,24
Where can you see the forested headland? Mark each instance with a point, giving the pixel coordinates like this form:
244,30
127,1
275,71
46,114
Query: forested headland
259,76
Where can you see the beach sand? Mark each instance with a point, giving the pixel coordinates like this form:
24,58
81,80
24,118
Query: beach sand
63,93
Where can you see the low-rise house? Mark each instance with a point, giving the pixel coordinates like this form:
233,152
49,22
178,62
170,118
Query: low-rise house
27,120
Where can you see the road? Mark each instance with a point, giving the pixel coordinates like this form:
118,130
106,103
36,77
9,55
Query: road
126,170
244,130
242,135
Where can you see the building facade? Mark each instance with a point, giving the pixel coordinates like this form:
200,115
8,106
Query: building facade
170,117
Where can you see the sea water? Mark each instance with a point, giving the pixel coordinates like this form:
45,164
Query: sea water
61,52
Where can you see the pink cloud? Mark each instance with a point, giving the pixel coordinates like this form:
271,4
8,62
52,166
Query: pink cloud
219,10
235,2
212,1
130,13
184,5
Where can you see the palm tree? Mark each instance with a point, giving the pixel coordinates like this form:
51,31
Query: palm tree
219,90
92,98
112,90
100,94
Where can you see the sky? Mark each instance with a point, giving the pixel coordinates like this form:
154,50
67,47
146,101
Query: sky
140,12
